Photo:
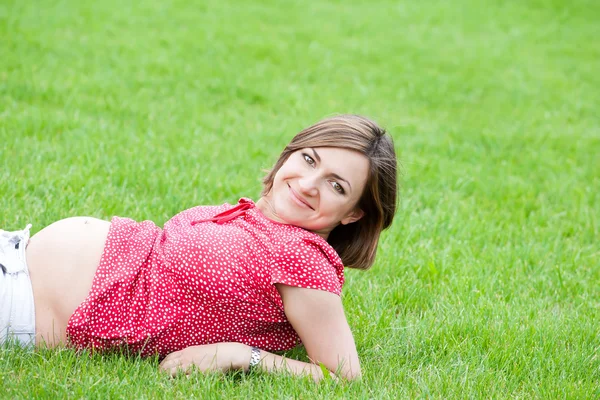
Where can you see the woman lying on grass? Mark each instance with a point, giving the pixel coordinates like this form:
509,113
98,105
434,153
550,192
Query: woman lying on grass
219,286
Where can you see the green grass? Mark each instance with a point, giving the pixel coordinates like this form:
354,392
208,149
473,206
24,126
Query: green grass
488,283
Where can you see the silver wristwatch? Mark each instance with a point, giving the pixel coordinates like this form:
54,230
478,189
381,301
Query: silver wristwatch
254,358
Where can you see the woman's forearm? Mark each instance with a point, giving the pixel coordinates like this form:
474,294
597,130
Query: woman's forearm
231,356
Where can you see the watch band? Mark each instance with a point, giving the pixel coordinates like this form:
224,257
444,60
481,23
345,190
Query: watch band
254,358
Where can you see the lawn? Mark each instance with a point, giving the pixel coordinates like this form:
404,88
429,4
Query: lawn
488,283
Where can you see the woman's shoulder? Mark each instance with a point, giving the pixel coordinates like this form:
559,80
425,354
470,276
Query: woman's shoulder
308,258
290,238
308,261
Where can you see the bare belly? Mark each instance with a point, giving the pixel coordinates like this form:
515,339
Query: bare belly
62,260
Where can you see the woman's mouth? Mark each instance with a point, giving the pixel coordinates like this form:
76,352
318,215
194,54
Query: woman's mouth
298,199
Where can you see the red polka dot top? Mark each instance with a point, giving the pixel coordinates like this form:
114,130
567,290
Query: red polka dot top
208,276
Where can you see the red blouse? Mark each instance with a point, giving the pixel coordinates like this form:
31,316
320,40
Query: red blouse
207,277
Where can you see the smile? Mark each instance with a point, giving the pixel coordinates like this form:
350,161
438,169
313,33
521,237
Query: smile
299,200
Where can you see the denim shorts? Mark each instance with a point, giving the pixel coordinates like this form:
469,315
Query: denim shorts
17,311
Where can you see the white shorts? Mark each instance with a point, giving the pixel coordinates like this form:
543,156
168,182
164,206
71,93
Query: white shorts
17,311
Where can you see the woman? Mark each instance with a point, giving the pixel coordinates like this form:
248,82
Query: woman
218,286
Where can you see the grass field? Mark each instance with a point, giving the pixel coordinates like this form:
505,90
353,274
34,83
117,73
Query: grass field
488,283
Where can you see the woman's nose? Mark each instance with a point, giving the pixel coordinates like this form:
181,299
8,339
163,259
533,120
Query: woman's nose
308,185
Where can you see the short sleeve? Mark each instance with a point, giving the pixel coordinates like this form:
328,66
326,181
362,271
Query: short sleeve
303,262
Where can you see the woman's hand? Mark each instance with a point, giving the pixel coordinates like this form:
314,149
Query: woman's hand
211,357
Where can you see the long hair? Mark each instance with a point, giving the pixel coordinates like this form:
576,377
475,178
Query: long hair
356,243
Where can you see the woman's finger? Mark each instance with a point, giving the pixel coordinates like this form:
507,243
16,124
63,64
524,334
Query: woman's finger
169,359
170,363
174,368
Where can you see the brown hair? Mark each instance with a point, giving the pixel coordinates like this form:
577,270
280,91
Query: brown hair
356,243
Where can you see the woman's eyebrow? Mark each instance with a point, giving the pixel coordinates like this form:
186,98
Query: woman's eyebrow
316,154
336,176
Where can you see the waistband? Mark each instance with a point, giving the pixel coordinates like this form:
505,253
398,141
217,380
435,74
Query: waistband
12,261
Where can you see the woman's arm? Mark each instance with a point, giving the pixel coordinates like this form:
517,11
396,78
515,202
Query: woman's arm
228,356
318,318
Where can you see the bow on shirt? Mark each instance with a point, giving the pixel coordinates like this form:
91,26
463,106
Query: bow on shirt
228,215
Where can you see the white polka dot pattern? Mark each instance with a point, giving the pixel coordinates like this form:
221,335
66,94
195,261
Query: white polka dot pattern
207,277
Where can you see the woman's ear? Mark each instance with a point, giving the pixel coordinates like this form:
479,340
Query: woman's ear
353,216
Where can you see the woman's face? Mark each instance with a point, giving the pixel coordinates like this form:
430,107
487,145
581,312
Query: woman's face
318,188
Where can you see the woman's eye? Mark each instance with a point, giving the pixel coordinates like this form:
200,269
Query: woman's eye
308,159
338,188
